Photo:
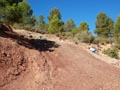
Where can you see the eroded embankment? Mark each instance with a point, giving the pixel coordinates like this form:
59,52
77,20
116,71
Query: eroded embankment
24,64
22,68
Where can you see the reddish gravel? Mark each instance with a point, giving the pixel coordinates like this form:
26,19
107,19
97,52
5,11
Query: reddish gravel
66,67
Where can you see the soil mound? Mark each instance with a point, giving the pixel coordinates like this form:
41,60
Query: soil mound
23,63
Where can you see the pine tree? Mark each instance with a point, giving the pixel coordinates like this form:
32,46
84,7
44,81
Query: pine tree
116,31
83,27
41,22
54,12
104,25
16,11
69,25
55,23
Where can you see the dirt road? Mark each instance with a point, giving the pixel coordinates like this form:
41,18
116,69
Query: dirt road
67,67
81,71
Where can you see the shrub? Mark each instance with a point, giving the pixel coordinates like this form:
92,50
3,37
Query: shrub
75,40
74,31
117,42
29,27
112,52
68,35
85,37
63,35
117,46
103,40
16,26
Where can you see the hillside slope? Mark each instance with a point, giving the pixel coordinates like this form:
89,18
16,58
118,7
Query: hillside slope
35,64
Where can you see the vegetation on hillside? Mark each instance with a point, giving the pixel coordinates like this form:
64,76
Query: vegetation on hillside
16,13
104,25
112,52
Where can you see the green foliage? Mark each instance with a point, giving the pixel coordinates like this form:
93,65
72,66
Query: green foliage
112,52
74,31
76,40
27,17
68,35
11,2
54,12
41,22
104,25
41,25
28,25
103,40
16,11
69,25
117,46
63,35
85,37
17,26
8,11
116,31
4,4
110,27
55,25
83,27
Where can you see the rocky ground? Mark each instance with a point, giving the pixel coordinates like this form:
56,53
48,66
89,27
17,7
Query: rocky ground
28,63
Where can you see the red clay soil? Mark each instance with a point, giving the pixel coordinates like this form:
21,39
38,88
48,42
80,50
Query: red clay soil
67,67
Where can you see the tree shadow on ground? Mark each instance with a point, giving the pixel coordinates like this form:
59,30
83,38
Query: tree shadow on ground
38,44
43,44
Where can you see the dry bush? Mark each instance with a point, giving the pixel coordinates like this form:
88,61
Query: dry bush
103,40
112,52
85,37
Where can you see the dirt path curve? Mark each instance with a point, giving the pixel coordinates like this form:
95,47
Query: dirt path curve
76,69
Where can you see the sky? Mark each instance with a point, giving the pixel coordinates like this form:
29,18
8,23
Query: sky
78,10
